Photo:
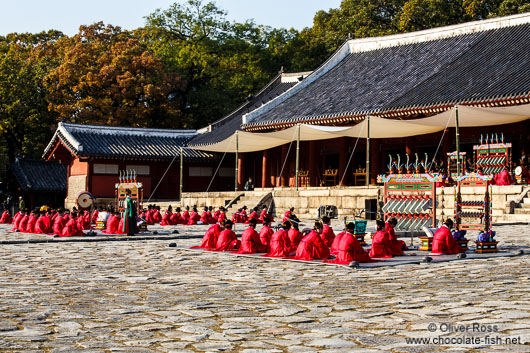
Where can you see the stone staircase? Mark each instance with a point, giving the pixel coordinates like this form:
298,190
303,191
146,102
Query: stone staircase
250,199
521,209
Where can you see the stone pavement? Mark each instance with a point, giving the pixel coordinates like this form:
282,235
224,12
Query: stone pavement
143,296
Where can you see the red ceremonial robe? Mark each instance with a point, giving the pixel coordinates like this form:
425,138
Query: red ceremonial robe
149,218
349,249
250,243
176,218
23,223
286,216
80,222
95,215
204,218
211,220
243,216
503,178
265,235
194,217
327,235
295,236
227,241
30,226
120,227
381,245
252,215
335,245
280,244
58,225
54,217
16,220
41,227
216,214
86,221
66,218
185,217
157,217
6,218
71,229
444,243
312,247
112,225
166,220
222,217
209,240
397,245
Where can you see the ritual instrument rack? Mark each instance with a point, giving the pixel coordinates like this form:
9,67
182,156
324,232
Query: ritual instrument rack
411,198
474,214
491,155
128,181
452,167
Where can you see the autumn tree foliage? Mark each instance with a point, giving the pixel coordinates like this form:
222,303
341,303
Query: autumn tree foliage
107,76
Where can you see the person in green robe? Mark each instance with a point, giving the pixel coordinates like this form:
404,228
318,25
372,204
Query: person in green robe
129,222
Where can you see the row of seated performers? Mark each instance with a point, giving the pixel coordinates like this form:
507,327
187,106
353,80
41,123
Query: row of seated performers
49,221
318,244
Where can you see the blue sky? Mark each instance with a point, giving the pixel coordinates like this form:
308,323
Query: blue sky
66,15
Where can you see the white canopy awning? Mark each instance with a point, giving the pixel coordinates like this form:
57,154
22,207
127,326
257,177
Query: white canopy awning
379,128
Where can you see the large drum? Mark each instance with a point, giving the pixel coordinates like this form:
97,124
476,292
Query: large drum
85,200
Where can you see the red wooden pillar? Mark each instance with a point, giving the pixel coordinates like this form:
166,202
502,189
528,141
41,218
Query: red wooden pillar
265,169
343,160
285,148
375,156
241,171
410,147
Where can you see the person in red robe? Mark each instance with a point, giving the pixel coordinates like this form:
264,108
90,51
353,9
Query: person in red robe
176,218
243,214
58,223
166,219
253,215
503,178
327,233
30,225
222,215
216,214
295,236
71,228
265,233
42,225
204,217
209,240
280,244
23,221
334,249
211,218
66,216
236,217
312,247
349,248
86,220
6,218
157,216
194,217
263,214
381,245
95,215
16,220
397,245
250,242
112,225
227,240
287,214
148,215
186,215
443,241
121,224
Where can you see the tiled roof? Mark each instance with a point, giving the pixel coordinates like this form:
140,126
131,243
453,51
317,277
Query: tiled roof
485,60
226,126
40,175
124,142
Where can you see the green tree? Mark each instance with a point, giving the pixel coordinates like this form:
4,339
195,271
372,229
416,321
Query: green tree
25,122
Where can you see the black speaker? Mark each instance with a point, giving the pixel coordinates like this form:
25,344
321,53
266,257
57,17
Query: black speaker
370,209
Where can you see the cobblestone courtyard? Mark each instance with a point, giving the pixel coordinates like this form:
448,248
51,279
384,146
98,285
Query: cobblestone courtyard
143,296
